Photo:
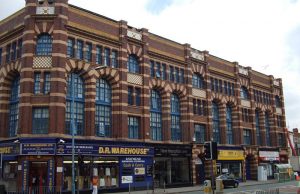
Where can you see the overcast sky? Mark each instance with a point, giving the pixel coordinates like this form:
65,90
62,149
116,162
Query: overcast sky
263,34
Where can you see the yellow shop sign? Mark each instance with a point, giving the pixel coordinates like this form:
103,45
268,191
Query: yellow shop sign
231,155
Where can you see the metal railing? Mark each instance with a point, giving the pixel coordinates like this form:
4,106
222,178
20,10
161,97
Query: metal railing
36,190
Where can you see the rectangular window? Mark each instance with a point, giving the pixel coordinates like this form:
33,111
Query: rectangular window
107,57
232,88
200,133
138,96
247,137
171,73
212,84
47,83
281,140
158,71
79,49
279,121
133,127
152,71
37,83
114,59
164,72
19,53
194,106
71,47
246,115
40,121
225,88
130,95
220,86
88,52
8,53
14,51
181,78
99,55
177,74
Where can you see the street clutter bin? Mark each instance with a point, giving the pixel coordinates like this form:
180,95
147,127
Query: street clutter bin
219,186
207,187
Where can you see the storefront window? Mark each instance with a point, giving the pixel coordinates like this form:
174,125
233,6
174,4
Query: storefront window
106,168
9,173
233,169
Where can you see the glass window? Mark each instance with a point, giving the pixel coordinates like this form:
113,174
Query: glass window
7,53
37,83
181,77
171,73
158,70
138,96
71,47
19,52
47,79
200,133
103,108
267,126
279,121
244,93
198,81
176,74
44,45
133,127
133,64
277,102
14,107
247,136
114,59
130,95
88,52
257,127
99,55
78,106
79,53
164,73
107,57
14,51
281,140
216,122
152,69
229,124
40,122
155,116
175,118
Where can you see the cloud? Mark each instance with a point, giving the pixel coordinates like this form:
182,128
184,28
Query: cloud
157,6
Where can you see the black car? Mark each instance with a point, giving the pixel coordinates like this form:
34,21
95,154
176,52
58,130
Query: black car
229,181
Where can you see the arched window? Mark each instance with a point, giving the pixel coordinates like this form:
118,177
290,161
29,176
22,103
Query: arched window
78,107
244,93
14,107
216,122
267,126
155,116
277,102
44,44
198,81
175,118
229,124
103,109
133,64
257,126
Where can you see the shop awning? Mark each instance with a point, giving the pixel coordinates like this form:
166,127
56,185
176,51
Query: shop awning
283,166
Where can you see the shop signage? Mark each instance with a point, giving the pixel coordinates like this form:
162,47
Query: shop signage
66,149
8,149
231,155
50,175
25,166
37,149
269,156
117,150
127,179
172,152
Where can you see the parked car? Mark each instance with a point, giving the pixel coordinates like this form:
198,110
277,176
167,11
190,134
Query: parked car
228,180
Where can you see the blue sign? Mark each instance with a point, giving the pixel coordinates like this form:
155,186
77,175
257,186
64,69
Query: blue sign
50,175
66,149
25,167
38,149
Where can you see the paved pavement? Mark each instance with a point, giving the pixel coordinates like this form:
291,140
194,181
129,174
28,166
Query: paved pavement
195,188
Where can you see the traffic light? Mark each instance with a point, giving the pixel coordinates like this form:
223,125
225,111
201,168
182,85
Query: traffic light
210,150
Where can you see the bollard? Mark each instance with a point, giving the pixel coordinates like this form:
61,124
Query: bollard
219,186
207,187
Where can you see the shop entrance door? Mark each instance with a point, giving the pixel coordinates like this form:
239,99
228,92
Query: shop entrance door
248,168
37,177
200,174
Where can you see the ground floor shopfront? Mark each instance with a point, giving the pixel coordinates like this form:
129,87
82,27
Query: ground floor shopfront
47,163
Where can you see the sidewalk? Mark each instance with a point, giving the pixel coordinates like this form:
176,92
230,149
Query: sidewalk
194,188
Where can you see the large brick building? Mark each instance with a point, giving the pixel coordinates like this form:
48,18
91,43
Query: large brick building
142,119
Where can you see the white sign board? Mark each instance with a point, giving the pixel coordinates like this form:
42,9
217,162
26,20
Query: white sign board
127,179
139,171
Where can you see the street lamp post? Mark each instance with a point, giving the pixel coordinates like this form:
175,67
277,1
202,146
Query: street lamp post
73,126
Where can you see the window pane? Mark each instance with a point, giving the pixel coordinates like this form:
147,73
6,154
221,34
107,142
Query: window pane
44,45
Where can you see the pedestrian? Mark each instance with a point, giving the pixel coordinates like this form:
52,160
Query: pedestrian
95,184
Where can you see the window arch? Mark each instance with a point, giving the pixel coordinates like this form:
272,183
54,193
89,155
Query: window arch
155,116
44,45
198,81
229,124
216,122
257,126
103,109
133,64
277,101
267,126
78,108
175,118
244,93
14,107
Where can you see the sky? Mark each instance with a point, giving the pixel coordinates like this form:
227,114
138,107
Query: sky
262,34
